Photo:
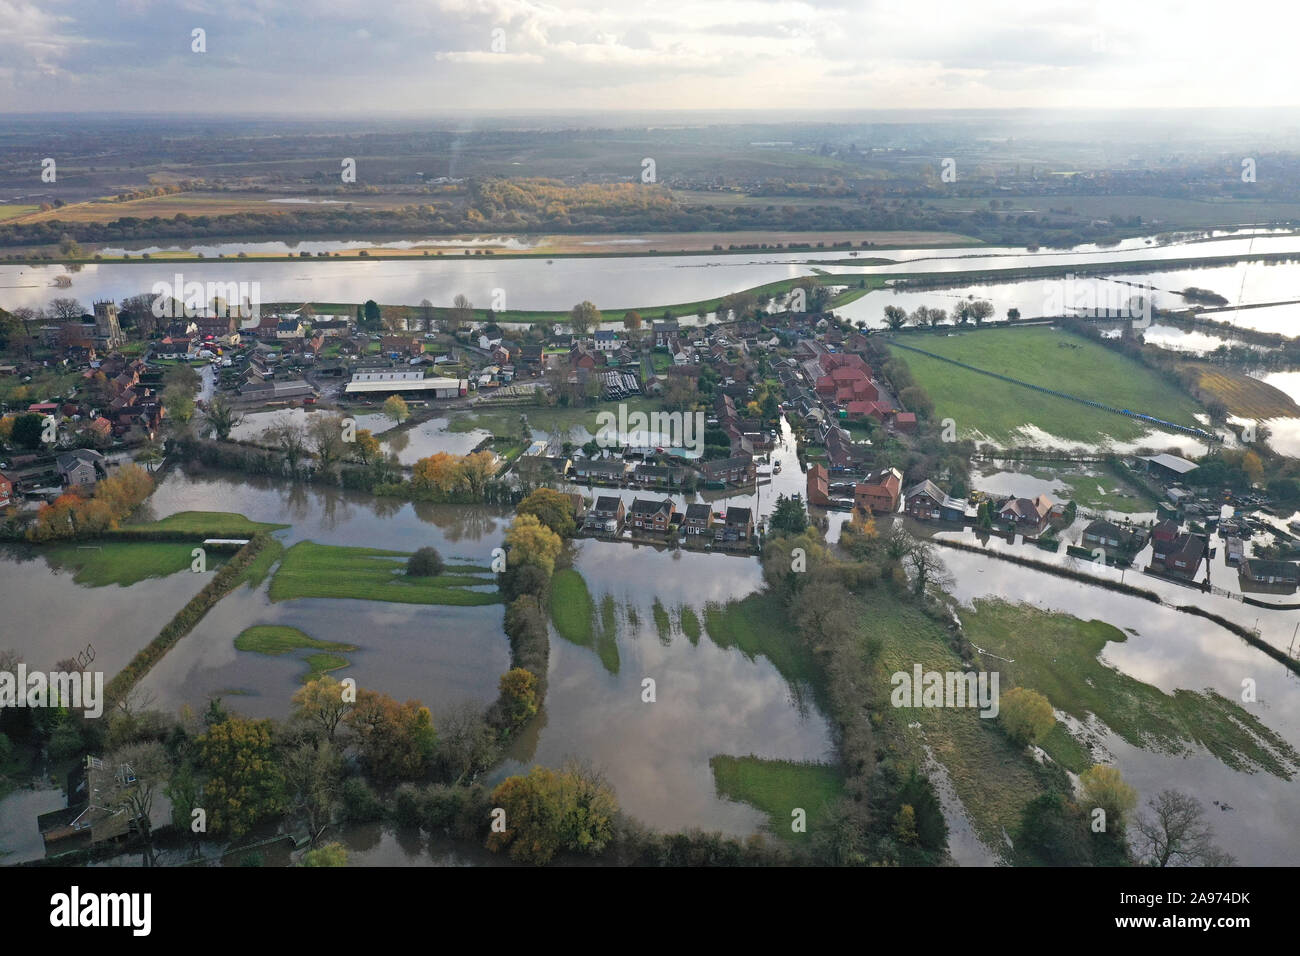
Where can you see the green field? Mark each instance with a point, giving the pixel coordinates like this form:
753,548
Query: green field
992,777
311,570
572,609
209,524
1092,490
996,410
1057,655
124,562
260,566
778,787
276,640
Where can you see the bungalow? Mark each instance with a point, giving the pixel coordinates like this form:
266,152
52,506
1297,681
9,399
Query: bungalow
1106,534
925,501
699,518
878,491
1026,513
659,476
601,469
1261,571
648,514
606,514
737,470
1182,556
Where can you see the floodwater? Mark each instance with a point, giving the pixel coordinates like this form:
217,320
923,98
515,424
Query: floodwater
638,282
1169,650
47,618
709,701
440,655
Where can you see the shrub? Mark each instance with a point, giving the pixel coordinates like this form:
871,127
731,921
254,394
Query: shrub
425,563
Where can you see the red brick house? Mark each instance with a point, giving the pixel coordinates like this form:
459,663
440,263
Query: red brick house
819,486
647,514
1180,556
879,491
6,491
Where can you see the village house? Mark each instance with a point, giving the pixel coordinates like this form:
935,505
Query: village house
1180,556
905,422
407,345
1026,514
6,491
818,486
648,514
659,476
738,526
736,470
1284,575
699,518
665,333
606,514
607,340
878,492
926,501
605,470
80,468
290,328
1108,535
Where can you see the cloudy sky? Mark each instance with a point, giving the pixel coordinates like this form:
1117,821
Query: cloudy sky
428,56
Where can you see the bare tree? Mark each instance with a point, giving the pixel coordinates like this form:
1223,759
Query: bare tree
140,772
312,773
326,436
1176,834
289,439
66,310
927,567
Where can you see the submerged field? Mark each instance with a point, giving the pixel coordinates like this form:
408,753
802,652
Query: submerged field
124,562
984,406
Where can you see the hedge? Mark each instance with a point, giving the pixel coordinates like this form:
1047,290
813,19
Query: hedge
222,583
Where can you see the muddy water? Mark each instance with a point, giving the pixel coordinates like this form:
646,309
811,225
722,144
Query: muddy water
442,656
47,618
709,701
334,516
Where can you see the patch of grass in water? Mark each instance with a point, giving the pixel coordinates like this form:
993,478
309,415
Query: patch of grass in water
316,570
690,624
211,524
572,609
663,624
607,636
778,787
